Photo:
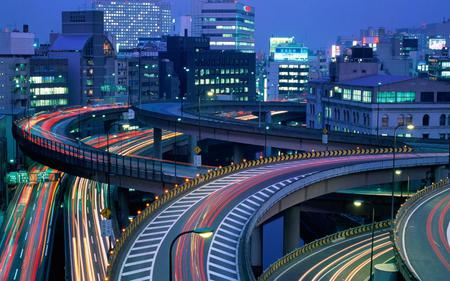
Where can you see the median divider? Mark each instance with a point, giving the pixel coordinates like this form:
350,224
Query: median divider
211,175
320,243
404,209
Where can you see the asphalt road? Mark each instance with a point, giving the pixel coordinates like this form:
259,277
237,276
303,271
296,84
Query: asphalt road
226,204
27,230
425,237
347,260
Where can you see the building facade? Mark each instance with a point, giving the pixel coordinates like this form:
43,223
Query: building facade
377,104
90,56
210,74
137,73
129,20
48,83
229,24
288,71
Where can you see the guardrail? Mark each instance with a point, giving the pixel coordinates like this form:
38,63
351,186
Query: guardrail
404,208
220,172
308,248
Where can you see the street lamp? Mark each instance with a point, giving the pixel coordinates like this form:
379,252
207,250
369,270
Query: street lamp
358,204
176,149
204,233
409,127
265,141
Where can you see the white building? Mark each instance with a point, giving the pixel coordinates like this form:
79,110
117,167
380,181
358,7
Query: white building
288,70
133,19
377,104
229,24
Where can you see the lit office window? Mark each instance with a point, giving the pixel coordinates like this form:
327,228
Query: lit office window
347,94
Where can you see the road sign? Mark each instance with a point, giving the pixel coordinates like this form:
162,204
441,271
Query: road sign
106,213
325,136
23,177
106,228
197,160
12,178
197,150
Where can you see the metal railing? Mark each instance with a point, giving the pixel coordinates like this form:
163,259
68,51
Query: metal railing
90,158
178,191
327,240
404,209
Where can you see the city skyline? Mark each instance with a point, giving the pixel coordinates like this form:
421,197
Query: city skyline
343,19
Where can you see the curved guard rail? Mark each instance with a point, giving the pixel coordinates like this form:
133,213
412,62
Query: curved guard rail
175,193
404,209
308,248
90,158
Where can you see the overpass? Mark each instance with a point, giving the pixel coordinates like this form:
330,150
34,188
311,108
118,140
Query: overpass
422,234
418,245
45,138
233,200
343,255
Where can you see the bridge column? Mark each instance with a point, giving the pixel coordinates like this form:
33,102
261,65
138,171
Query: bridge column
237,153
291,221
256,249
157,143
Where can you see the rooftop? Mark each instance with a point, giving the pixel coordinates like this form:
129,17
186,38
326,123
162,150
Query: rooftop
70,43
375,80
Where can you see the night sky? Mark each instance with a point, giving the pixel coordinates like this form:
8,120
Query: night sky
314,22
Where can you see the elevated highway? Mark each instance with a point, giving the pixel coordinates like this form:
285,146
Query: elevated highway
166,115
422,234
45,138
341,256
232,201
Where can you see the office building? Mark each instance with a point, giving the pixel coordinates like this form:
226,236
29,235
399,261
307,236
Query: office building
229,24
358,99
288,71
129,20
16,49
48,83
137,74
209,74
90,55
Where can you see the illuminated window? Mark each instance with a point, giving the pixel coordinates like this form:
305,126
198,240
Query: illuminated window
386,97
357,95
347,94
367,96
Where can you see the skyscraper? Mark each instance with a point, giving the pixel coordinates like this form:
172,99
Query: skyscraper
133,19
229,24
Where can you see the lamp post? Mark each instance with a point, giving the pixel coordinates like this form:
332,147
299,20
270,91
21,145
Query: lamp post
409,127
204,233
359,203
175,148
265,141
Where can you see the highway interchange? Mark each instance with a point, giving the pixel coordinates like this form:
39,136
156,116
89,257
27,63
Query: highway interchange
225,204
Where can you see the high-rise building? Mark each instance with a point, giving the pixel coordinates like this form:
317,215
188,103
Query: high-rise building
288,70
90,56
230,24
129,20
209,74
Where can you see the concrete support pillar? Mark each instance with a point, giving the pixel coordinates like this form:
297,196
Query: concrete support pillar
157,143
237,153
193,142
256,248
440,173
267,117
291,237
